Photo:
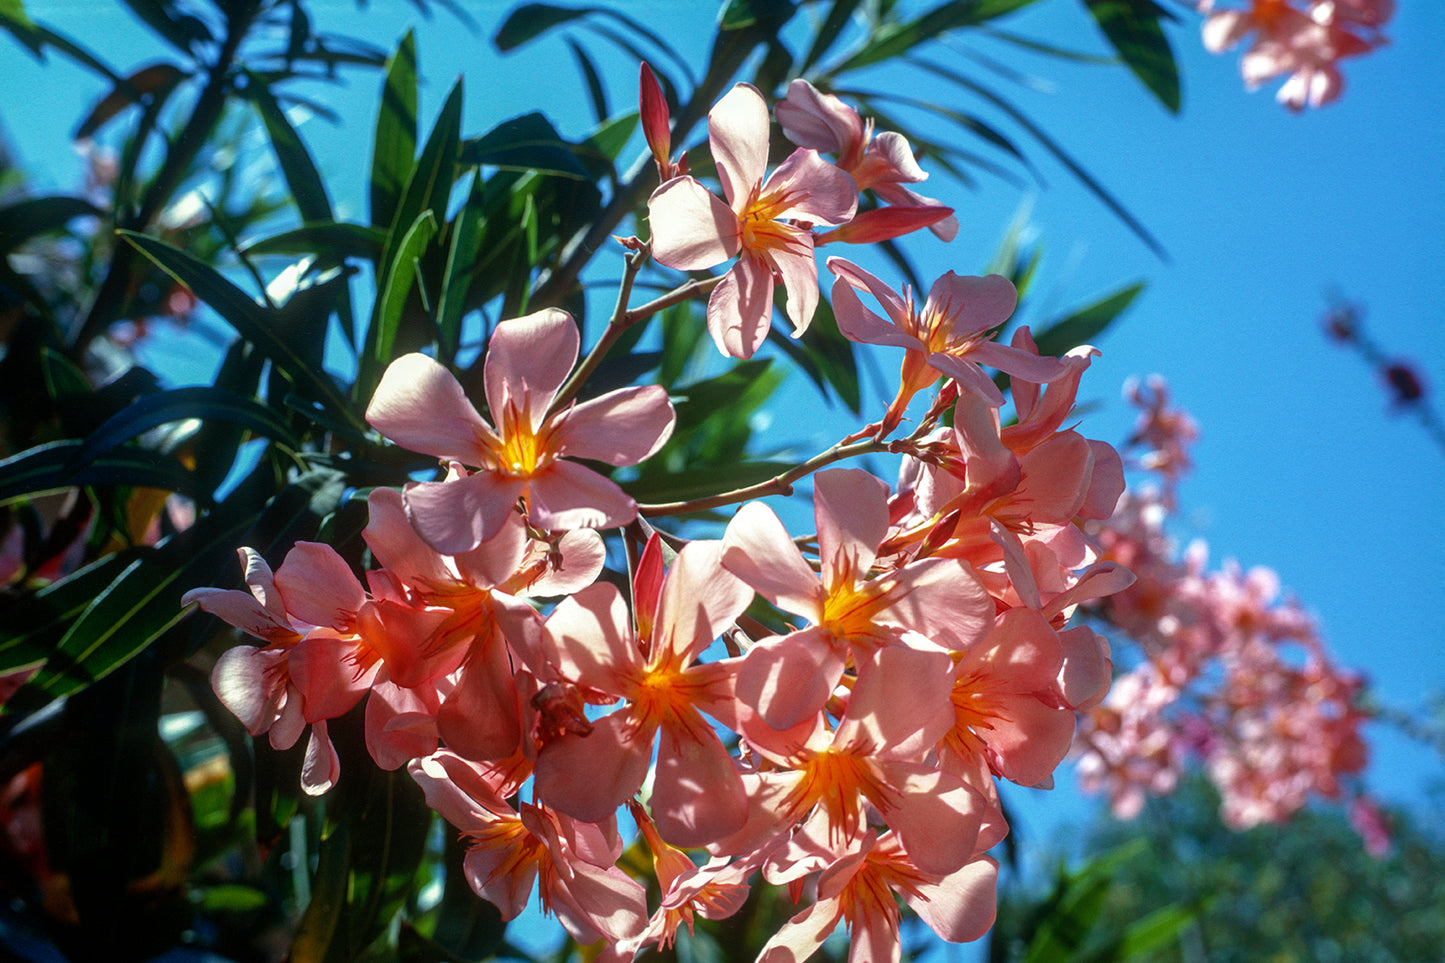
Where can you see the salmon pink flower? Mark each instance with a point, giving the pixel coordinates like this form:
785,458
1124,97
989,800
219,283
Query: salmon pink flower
952,335
882,164
511,852
697,795
761,224
861,889
318,663
1305,45
789,678
420,405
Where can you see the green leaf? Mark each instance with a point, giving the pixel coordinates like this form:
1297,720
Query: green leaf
525,143
390,827
399,280
897,39
38,215
140,605
531,20
393,149
316,933
307,188
696,403
1061,155
48,468
466,244
1132,27
737,14
700,482
254,322
335,239
205,403
595,90
1086,324
149,85
1153,932
33,624
829,32
825,356
181,30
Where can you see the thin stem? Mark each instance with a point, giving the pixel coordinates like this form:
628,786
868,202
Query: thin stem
777,485
622,319
615,326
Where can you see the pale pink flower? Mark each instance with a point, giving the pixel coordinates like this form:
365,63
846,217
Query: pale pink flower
1290,41
761,224
820,794
882,164
511,852
787,679
1010,717
861,889
697,795
952,335
317,666
420,405
487,633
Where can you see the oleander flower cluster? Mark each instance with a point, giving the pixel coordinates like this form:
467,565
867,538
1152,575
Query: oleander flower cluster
827,713
1301,40
1229,674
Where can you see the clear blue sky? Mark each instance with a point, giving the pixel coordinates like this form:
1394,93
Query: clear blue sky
1300,466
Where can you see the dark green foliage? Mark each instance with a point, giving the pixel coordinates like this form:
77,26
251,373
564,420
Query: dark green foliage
1303,891
207,832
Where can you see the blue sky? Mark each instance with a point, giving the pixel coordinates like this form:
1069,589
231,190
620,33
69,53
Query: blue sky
1300,466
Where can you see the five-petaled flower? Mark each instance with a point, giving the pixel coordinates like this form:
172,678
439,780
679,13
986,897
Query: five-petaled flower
420,405
762,224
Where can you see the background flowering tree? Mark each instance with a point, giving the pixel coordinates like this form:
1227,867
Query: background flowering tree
810,728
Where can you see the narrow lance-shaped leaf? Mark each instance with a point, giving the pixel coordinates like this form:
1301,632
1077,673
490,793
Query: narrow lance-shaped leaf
155,83
337,238
399,279
829,32
35,623
48,468
596,92
1132,27
525,143
254,322
307,188
1086,324
393,149
466,242
138,607
176,405
427,191
38,215
1063,157
898,39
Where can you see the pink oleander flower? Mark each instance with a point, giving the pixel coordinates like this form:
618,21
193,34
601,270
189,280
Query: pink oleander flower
488,633
882,164
1306,45
787,679
697,795
819,797
1010,715
511,852
318,663
764,223
420,405
862,888
951,336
